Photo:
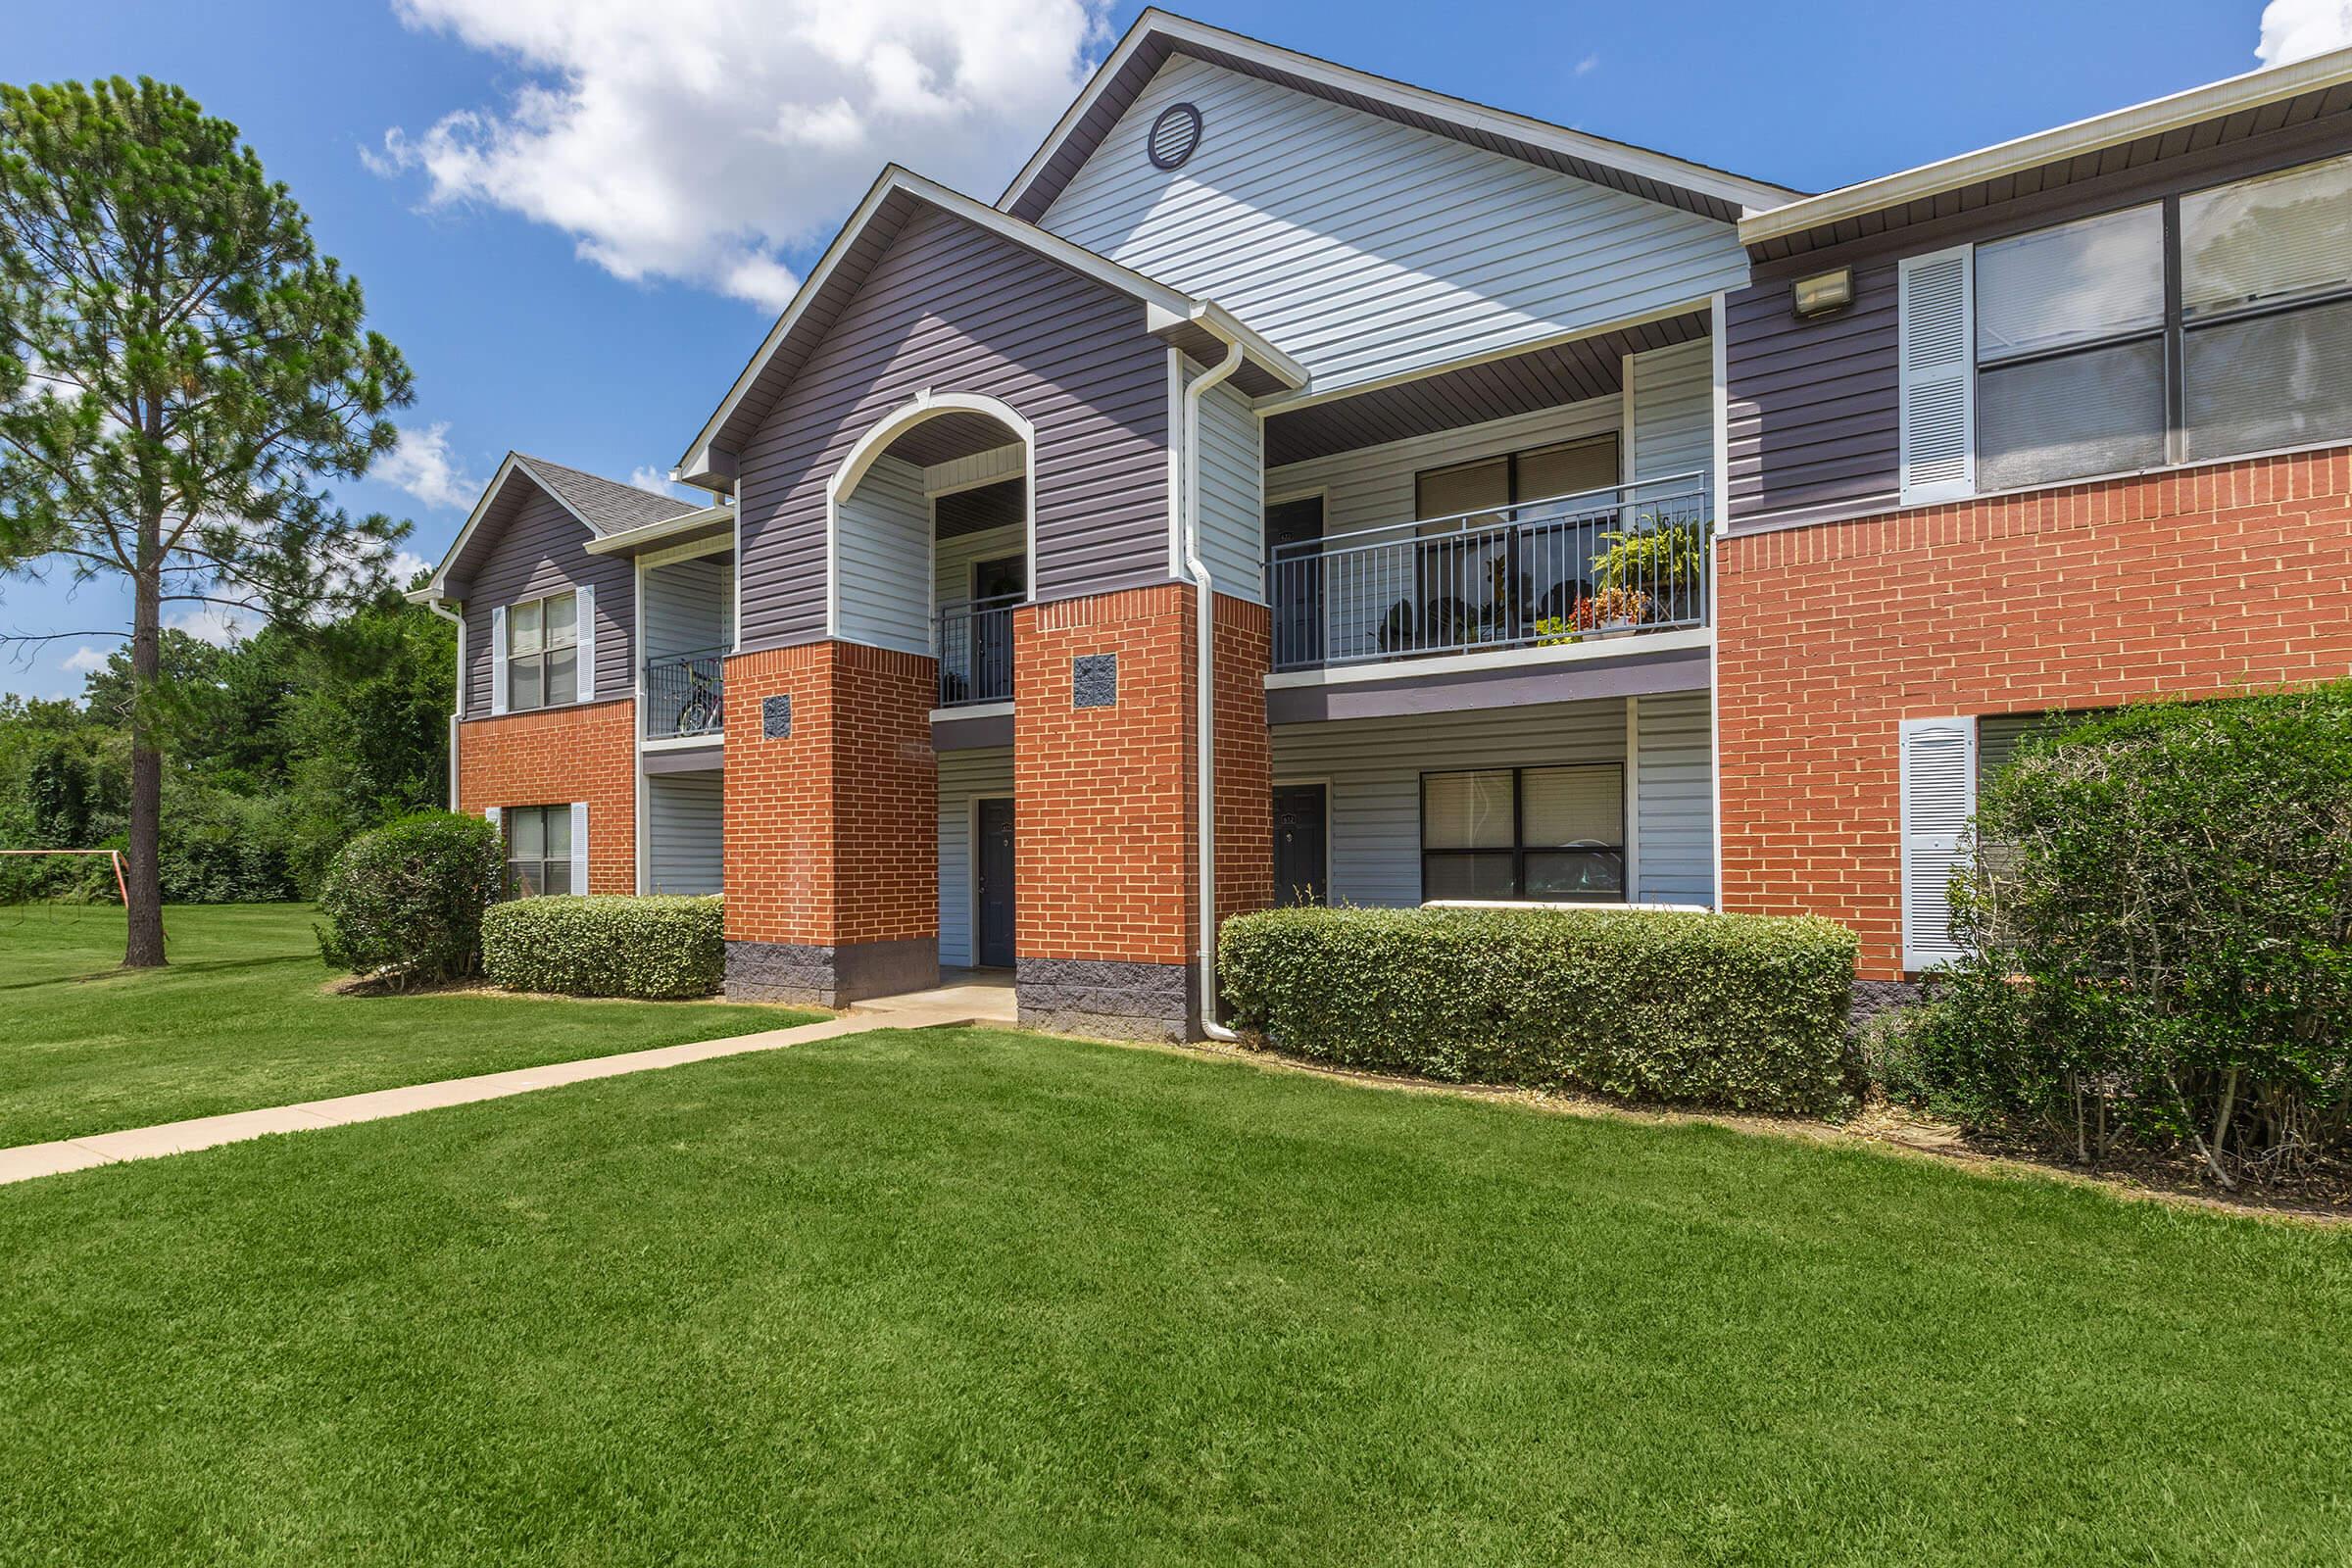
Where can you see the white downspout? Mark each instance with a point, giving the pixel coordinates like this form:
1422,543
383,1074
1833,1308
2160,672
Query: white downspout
459,696
1205,694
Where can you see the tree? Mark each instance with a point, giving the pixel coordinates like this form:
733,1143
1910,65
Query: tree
180,373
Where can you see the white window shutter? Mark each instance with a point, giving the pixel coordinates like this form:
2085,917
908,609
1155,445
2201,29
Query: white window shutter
1939,783
498,659
580,846
1937,304
584,598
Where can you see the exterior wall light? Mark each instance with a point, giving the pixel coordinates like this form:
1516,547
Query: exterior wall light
1824,292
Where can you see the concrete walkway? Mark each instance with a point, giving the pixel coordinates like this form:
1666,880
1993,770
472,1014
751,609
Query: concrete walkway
967,1000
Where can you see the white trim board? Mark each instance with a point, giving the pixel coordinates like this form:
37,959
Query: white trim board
1656,642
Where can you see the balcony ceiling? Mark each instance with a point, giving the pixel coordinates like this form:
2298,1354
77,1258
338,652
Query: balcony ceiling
951,436
1543,379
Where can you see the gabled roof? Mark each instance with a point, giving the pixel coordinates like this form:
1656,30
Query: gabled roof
1156,35
2252,103
603,507
1199,327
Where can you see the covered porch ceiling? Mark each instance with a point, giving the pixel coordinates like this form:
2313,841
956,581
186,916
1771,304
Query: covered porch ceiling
1573,371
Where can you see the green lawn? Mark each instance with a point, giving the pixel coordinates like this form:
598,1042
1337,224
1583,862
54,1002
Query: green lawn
975,1296
239,1021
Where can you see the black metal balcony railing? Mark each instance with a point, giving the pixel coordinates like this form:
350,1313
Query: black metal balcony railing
1615,563
975,651
685,695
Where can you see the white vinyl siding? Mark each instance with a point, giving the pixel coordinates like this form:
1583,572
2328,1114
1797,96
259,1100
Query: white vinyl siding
1937,377
1374,767
685,833
981,467
1367,248
1232,494
1674,800
952,560
1938,787
964,777
881,553
689,606
1673,409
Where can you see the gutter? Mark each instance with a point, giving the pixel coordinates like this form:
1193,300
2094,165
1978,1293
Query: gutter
434,603
1205,692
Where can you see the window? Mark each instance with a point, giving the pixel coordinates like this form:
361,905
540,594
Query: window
538,851
543,665
2266,304
2200,326
1548,834
1480,578
2070,351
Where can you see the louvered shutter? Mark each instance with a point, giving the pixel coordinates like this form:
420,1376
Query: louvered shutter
580,846
585,635
1937,302
498,659
1939,775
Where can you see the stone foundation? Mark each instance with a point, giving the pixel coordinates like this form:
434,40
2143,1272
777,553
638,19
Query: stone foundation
1112,999
825,976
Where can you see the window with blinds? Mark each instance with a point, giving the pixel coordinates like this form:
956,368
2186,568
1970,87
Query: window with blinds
1543,834
2201,326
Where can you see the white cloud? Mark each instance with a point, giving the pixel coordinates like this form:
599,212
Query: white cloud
218,624
425,468
1589,65
646,476
85,659
705,140
404,566
2297,30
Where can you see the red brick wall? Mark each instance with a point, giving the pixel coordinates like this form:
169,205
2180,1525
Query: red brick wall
832,832
555,756
2192,583
1103,795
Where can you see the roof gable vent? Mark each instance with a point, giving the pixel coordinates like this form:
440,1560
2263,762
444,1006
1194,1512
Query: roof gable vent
1174,136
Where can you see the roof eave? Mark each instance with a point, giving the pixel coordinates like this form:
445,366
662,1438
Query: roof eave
2156,116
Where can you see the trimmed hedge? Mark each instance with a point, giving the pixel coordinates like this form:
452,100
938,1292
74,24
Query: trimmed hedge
1741,1011
653,948
407,899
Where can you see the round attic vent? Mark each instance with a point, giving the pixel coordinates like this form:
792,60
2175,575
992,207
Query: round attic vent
1174,136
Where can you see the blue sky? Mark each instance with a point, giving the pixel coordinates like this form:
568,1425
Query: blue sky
493,246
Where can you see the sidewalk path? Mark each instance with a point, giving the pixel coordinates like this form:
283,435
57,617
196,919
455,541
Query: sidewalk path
927,1010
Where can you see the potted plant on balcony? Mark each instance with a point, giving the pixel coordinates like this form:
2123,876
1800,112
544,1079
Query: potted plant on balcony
1653,566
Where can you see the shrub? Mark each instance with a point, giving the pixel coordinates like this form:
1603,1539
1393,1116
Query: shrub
407,899
1741,1012
608,947
2159,902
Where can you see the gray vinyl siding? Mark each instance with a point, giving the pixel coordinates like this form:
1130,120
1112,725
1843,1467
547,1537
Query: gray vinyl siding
1676,808
953,558
1812,406
1366,248
953,308
1233,505
882,544
1374,768
689,606
541,552
685,847
964,777
1674,411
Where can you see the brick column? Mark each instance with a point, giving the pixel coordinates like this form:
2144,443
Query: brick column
2228,577
1103,783
553,756
832,824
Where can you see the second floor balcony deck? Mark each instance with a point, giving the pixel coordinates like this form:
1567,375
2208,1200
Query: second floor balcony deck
1604,565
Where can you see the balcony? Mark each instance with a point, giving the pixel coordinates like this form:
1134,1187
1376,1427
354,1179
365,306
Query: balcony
685,695
975,651
1607,564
